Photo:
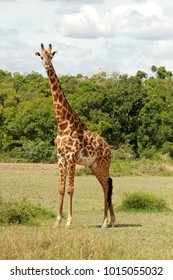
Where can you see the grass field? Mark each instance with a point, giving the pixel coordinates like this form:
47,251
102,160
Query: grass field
135,236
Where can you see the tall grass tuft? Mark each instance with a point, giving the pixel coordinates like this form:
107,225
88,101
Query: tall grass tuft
22,212
140,201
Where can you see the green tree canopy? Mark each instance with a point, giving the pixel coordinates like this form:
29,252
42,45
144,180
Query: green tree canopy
133,110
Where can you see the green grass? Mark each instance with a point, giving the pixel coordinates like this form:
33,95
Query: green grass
137,235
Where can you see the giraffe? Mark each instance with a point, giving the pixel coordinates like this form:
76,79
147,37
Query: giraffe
76,144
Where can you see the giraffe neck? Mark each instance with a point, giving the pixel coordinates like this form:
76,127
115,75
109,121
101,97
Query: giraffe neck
63,112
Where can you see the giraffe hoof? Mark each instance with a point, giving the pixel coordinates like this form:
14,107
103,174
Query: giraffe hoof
104,225
68,225
113,220
111,224
57,224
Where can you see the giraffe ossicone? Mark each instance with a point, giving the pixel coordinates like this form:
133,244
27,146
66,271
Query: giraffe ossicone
76,144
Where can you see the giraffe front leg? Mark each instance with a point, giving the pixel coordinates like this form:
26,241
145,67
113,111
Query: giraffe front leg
71,173
62,173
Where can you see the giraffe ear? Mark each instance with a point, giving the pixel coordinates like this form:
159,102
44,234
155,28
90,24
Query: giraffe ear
54,53
37,54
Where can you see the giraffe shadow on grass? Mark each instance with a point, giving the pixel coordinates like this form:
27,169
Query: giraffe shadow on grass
117,226
127,225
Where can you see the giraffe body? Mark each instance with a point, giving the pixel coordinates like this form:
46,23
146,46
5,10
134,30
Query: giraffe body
76,144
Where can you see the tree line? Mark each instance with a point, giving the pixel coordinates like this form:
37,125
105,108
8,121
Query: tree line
128,111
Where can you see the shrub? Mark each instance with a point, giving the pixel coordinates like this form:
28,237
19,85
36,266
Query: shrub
22,212
167,148
140,201
35,152
123,152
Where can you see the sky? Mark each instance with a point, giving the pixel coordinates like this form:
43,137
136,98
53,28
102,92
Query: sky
90,36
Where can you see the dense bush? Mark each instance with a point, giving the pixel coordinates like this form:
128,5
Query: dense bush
35,152
22,212
140,201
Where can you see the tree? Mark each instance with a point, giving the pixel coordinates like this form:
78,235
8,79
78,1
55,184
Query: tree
154,69
134,111
161,72
142,75
156,116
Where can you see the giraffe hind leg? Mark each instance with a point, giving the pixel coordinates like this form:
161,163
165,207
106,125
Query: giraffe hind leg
102,174
110,187
110,206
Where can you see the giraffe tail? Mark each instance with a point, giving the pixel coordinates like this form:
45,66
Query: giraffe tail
110,188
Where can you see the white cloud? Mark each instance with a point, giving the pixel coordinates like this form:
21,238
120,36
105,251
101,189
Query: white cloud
144,20
85,24
121,35
15,56
8,1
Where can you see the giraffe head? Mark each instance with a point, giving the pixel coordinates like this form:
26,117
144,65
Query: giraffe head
46,55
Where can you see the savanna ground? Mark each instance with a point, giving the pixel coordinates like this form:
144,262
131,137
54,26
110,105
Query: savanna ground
137,235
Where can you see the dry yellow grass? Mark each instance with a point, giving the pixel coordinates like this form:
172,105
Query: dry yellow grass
135,236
